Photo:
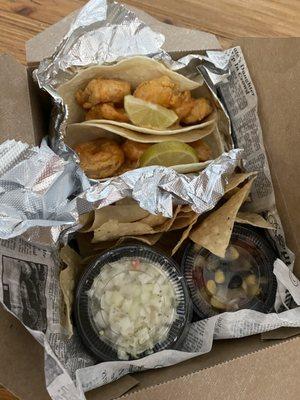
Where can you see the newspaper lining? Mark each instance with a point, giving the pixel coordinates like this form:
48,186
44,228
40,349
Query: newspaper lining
29,286
70,370
239,95
244,322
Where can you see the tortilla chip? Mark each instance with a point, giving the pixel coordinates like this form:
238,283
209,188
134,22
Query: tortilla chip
169,222
115,229
235,180
183,220
122,213
185,234
253,219
112,230
147,239
215,231
154,220
68,279
86,220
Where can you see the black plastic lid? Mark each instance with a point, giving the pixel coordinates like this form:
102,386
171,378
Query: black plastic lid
103,347
243,279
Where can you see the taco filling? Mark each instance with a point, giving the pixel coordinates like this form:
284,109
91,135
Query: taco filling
157,103
104,158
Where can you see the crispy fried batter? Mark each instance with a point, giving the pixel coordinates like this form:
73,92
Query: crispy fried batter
164,92
127,166
134,150
182,103
201,109
107,111
103,98
102,91
203,150
158,91
100,158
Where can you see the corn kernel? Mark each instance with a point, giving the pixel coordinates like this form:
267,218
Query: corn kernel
211,286
217,304
219,276
251,279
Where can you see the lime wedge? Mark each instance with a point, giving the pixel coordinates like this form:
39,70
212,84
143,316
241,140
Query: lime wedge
168,154
148,115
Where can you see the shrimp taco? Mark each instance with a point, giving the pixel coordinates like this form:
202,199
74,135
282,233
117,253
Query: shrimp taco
139,95
105,154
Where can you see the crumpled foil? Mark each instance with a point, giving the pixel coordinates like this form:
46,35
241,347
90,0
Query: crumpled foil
35,189
156,189
39,189
43,194
104,32
36,184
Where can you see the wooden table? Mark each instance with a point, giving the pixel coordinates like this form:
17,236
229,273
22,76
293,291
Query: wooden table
21,20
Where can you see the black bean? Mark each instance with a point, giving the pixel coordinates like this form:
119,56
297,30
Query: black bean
235,282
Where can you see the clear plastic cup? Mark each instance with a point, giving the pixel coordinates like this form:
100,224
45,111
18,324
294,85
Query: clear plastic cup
132,301
243,279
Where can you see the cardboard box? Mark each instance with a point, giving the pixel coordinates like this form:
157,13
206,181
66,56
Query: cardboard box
234,369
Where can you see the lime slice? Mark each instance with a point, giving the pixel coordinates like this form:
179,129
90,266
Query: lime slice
148,115
168,154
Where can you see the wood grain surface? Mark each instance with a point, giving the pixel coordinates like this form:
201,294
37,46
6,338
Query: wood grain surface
20,20
5,395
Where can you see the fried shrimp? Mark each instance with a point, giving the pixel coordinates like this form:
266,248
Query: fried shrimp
127,166
158,91
104,99
100,90
134,150
202,149
182,103
107,111
100,158
164,92
201,109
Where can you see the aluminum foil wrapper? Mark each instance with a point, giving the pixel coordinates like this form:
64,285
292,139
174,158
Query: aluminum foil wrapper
103,33
35,190
43,194
39,189
157,189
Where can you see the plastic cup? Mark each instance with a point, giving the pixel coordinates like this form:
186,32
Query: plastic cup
103,343
244,279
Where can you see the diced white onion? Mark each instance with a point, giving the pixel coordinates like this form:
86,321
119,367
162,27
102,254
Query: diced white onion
137,306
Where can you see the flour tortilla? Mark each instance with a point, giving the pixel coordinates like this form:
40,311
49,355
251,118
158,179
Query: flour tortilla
109,124
134,70
79,133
